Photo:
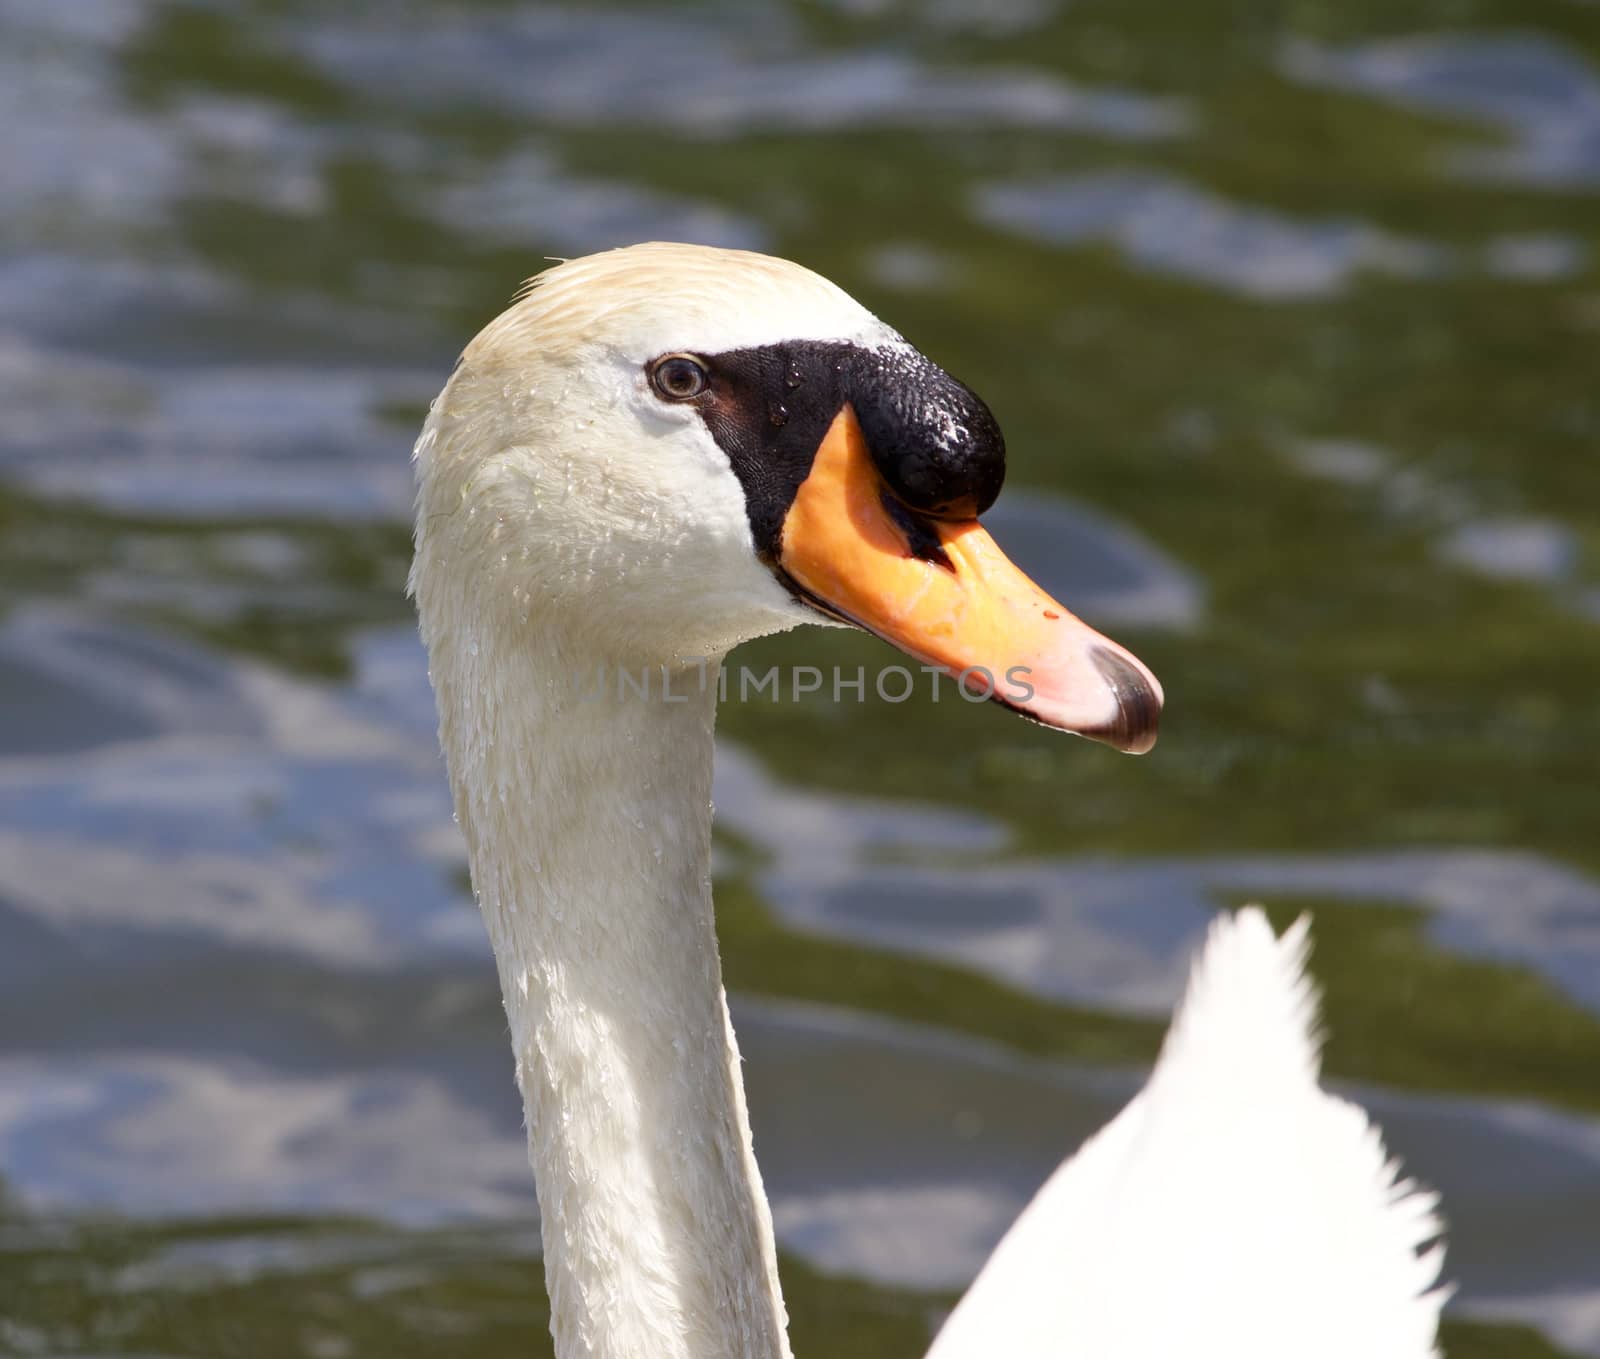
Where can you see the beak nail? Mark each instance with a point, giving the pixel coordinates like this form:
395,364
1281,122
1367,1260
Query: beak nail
1138,706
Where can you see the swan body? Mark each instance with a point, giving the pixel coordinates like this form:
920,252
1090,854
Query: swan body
653,455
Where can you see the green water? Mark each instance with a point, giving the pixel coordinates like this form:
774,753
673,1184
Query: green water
1291,315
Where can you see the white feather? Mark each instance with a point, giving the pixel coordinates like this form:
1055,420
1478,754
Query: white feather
1234,1209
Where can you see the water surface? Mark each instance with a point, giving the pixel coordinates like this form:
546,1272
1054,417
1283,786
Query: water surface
1291,319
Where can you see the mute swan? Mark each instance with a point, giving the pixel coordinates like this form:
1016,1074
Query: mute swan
657,453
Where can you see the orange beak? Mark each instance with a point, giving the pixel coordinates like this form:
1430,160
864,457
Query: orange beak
944,593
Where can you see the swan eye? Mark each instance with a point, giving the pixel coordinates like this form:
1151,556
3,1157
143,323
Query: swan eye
679,377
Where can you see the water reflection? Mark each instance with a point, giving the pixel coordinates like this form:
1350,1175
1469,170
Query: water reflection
1515,549
166,1135
1172,227
708,76
1542,258
207,812
528,195
1064,930
1541,92
1108,570
76,153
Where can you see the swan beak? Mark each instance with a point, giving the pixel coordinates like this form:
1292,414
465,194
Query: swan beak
943,592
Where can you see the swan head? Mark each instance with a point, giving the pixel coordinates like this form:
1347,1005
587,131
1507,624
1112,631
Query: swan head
661,451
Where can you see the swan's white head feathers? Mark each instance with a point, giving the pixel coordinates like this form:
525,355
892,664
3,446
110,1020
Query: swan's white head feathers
552,477
663,295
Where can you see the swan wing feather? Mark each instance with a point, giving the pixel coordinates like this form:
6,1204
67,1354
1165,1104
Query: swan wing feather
1234,1208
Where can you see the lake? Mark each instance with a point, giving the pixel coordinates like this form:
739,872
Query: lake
1291,314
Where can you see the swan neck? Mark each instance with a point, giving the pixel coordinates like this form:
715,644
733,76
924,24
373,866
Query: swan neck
587,811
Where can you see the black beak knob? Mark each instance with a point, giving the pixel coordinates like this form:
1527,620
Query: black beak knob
932,438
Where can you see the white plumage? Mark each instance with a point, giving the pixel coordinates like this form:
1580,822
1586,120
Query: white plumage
1233,1209
567,520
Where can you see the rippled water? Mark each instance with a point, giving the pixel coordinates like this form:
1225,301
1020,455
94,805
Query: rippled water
1291,316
